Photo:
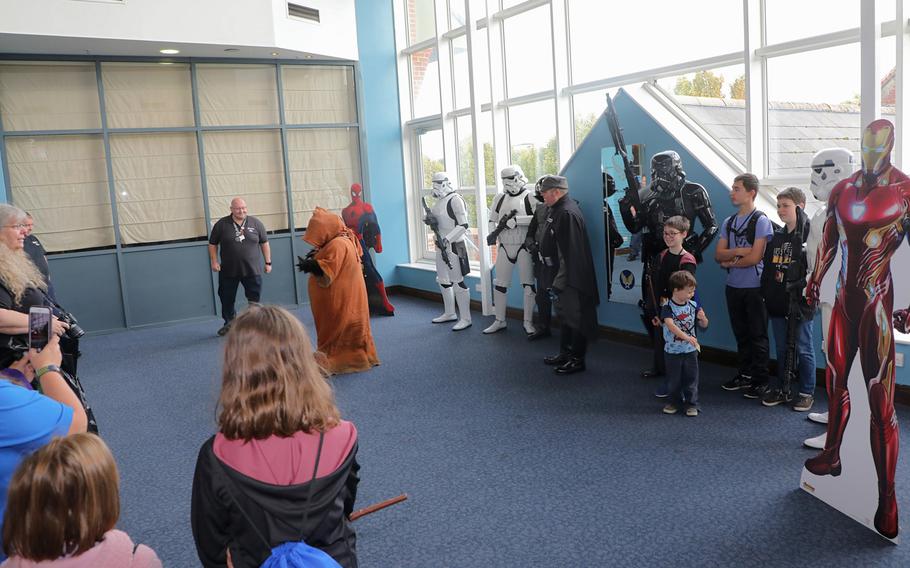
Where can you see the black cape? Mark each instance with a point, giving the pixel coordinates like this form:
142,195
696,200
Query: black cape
566,232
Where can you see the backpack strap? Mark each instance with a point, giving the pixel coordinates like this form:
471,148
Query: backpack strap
232,487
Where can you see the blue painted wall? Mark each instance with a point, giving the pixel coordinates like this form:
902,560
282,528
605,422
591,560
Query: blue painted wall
381,123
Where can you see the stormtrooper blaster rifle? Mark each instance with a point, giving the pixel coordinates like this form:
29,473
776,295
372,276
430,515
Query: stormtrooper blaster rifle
619,145
433,223
500,227
795,281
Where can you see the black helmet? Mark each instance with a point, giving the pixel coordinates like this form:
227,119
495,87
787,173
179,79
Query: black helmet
666,171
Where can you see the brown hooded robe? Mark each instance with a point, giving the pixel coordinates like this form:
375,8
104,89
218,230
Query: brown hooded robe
338,298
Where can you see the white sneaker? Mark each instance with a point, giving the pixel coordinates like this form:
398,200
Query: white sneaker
444,318
495,326
816,443
529,328
819,417
462,324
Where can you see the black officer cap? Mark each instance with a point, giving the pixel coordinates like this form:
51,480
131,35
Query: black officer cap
552,182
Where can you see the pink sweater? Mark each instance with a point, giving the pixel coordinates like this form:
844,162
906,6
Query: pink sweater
114,551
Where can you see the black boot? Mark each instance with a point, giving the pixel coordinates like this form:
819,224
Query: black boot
573,365
557,360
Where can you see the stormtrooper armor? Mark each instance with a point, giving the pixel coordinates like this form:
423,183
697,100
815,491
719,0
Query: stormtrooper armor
510,215
449,218
829,166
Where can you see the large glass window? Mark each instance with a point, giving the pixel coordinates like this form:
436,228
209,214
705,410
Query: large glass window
425,82
587,108
716,99
323,163
614,38
466,169
532,138
158,190
460,76
805,116
147,95
421,17
231,95
456,14
49,96
432,160
247,164
318,94
787,20
62,182
529,52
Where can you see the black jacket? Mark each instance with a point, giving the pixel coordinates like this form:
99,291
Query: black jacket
780,253
277,511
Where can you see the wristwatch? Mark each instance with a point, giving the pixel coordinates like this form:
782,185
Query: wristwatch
268,264
47,369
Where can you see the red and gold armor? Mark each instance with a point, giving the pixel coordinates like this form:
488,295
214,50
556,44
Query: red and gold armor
868,217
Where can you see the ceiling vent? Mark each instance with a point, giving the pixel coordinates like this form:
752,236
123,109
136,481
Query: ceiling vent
303,12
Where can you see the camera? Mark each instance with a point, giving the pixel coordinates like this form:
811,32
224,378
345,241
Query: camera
74,331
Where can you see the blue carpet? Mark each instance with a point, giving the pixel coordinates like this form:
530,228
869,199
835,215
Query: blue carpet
505,463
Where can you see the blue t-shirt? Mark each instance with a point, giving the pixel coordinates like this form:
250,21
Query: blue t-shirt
28,420
683,316
749,276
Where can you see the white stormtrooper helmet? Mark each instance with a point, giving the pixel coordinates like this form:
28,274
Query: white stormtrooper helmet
513,179
441,184
829,166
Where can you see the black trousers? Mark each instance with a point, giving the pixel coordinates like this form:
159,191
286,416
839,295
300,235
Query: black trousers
542,296
572,342
749,320
227,292
682,377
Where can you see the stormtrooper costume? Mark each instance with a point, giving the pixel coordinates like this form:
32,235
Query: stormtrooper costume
513,210
829,166
449,215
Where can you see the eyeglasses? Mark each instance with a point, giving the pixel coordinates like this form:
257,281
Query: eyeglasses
17,226
671,233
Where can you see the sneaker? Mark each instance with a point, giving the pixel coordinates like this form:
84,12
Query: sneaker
692,411
803,403
772,397
818,417
224,329
755,391
671,409
738,382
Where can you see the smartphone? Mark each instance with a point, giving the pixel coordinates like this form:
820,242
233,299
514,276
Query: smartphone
39,327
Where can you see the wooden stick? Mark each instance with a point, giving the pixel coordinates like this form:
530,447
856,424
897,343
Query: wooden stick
377,506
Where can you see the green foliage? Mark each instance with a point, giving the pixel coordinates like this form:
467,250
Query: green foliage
430,167
583,125
738,88
466,163
703,84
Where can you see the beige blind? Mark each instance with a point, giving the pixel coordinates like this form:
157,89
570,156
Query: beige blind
237,94
318,94
147,95
158,189
323,163
49,96
247,164
62,182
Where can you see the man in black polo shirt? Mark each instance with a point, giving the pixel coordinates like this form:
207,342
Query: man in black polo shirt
242,239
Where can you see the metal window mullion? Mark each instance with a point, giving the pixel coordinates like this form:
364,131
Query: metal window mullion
112,192
446,93
496,66
902,100
203,179
72,132
4,167
565,132
292,224
870,86
756,89
517,9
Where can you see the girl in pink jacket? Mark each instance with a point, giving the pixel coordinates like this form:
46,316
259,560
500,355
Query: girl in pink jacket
64,501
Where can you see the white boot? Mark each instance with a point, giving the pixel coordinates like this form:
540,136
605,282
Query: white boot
463,299
499,307
529,310
817,443
448,303
819,417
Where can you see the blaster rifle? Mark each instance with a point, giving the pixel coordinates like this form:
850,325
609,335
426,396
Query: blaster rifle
619,146
795,281
433,223
500,227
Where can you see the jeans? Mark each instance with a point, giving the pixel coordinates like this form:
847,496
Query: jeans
227,292
805,349
749,320
682,377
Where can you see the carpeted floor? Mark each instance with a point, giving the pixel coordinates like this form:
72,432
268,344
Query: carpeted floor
505,463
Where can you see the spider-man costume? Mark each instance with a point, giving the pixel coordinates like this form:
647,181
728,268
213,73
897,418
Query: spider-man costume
360,218
868,219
